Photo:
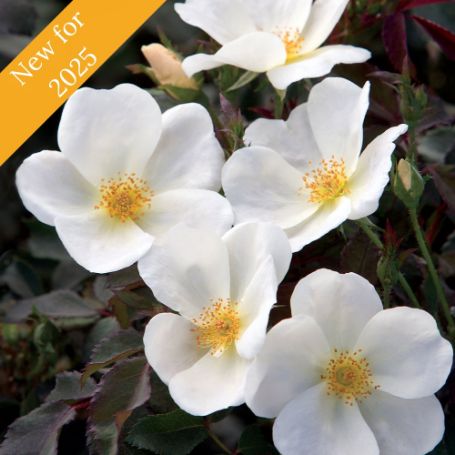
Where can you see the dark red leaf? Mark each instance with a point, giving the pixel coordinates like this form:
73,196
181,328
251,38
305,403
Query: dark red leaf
444,37
405,5
395,42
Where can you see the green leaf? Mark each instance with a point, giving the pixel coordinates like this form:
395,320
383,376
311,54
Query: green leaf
113,348
253,442
243,80
68,274
68,387
123,388
22,279
360,256
62,304
138,301
107,286
185,95
437,144
104,327
44,242
444,180
175,433
37,433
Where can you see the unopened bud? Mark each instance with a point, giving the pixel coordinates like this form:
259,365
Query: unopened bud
408,184
167,67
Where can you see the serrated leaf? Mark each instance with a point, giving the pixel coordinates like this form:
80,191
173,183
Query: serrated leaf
68,387
104,327
37,433
115,347
174,433
253,442
243,80
123,388
61,304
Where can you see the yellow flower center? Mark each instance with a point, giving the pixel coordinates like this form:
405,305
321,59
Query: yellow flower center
348,377
218,326
125,197
327,182
292,41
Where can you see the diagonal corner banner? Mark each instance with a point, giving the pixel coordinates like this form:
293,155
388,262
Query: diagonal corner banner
60,59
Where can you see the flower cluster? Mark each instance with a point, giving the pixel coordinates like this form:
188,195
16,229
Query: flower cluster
131,184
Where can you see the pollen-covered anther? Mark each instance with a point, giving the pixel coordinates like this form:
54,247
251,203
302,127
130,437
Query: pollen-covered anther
348,377
292,41
327,182
218,326
125,197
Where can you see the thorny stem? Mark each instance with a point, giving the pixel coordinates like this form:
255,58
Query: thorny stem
432,270
401,278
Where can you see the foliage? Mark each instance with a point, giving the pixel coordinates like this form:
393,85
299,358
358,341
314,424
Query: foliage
71,363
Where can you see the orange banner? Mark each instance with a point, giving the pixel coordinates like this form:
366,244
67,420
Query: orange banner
60,59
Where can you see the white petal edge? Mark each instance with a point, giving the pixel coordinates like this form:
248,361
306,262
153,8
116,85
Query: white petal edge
291,361
49,186
254,309
282,16
104,132
317,63
322,20
404,427
170,345
211,384
337,109
316,424
329,216
257,51
223,21
367,183
101,244
249,245
188,154
187,268
262,186
407,355
193,207
199,62
293,139
341,304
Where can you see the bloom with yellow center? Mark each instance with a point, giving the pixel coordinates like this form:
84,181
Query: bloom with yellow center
307,174
283,39
218,326
344,376
126,174
125,198
223,289
348,376
327,182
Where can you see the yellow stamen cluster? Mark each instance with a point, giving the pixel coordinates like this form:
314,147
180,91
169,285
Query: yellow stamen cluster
218,326
125,197
292,41
349,377
327,182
